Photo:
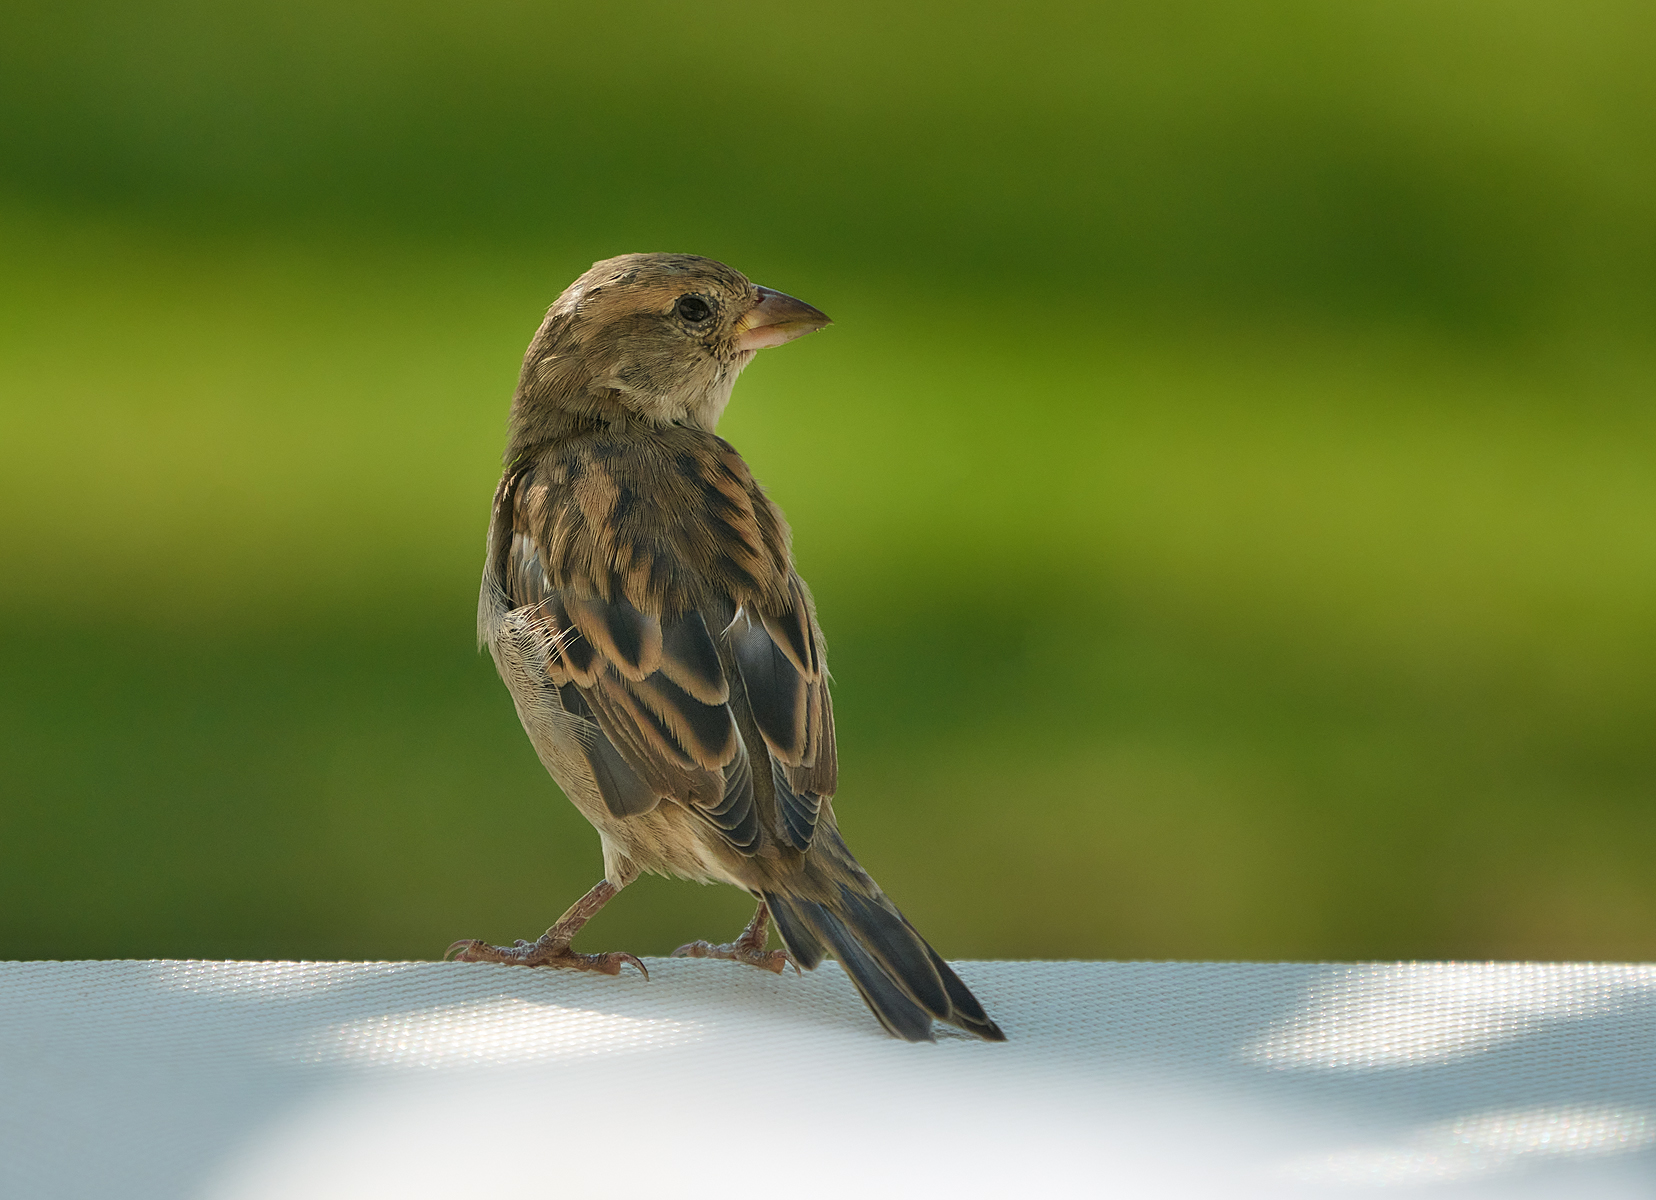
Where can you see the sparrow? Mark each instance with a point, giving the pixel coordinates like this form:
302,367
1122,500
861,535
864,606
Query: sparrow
640,602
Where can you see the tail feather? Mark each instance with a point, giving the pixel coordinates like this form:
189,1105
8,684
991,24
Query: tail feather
884,994
902,980
804,946
968,1013
901,952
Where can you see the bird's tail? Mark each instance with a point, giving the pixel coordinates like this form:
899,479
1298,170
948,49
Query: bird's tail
902,980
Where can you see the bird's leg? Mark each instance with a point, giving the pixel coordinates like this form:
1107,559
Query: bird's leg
748,948
551,949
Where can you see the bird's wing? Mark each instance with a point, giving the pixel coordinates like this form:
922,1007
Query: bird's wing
657,581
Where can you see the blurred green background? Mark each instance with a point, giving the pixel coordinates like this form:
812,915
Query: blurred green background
1228,486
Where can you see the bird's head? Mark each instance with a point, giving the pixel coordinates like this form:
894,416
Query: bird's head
658,338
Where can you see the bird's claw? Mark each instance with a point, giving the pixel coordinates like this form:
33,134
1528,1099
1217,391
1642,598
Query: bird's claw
765,960
462,950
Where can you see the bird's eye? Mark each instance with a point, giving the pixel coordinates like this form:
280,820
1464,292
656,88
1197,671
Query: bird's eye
694,309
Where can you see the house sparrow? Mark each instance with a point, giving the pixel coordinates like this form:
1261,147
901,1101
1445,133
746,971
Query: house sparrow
640,601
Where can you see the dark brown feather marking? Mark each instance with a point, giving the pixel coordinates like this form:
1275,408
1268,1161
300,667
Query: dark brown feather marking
775,690
689,659
790,631
706,732
631,640
649,738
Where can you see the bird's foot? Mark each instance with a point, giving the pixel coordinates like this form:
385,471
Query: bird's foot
551,949
765,960
542,953
748,948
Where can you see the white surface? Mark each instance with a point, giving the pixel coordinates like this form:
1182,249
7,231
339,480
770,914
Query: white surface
252,1081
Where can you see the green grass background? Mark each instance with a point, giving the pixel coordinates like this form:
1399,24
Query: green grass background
1228,486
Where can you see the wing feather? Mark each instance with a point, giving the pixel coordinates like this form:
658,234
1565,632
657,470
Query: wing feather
628,564
775,689
690,659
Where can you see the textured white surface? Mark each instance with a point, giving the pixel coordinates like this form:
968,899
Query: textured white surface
252,1081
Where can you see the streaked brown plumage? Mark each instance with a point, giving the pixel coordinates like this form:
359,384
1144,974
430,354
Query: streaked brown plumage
641,603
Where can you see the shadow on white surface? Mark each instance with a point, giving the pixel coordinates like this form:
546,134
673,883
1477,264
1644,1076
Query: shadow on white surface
248,1081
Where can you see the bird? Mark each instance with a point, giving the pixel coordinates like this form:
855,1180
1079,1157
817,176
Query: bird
641,603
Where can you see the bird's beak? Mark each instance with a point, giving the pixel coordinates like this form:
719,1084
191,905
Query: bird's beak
777,318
